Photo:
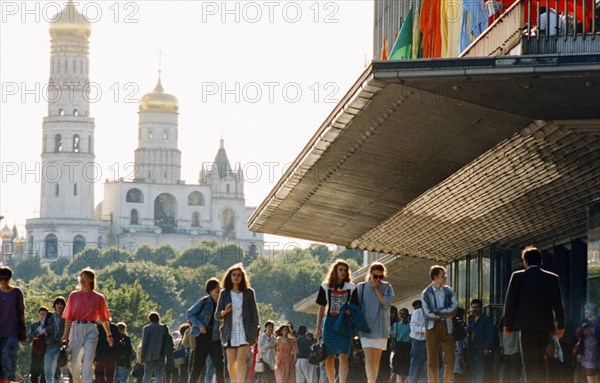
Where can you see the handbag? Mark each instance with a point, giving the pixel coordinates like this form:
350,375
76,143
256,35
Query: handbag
179,356
318,353
62,357
259,366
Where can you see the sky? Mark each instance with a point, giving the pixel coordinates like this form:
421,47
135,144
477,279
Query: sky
261,74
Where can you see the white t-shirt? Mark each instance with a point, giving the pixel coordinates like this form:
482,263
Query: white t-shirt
238,334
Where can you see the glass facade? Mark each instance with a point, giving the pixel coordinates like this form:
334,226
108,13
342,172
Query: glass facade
593,253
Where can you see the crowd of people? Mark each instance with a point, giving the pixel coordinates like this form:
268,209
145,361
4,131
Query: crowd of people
366,338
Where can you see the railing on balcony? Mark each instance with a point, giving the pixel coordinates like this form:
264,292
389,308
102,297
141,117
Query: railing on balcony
570,26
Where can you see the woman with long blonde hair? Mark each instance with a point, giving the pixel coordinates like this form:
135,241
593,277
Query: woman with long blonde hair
334,294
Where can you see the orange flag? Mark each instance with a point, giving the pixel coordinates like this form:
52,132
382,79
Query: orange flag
384,50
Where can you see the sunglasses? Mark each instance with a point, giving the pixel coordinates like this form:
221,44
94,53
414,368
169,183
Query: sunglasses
378,276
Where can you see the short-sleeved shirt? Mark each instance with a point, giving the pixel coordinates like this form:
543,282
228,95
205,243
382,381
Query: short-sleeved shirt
86,306
11,307
336,298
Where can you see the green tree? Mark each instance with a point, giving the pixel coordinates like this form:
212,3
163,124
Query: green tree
89,257
129,303
59,266
29,269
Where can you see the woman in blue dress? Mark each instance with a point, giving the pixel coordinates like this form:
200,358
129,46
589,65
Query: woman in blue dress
334,293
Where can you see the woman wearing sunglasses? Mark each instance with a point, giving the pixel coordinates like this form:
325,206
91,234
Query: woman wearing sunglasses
374,300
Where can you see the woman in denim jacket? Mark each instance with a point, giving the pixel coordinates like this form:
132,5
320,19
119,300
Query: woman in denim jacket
206,331
237,310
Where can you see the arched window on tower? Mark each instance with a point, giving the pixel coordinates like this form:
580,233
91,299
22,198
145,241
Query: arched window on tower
90,143
228,188
135,196
75,189
50,247
76,143
56,190
58,143
61,112
196,199
150,134
195,219
75,112
78,244
165,135
135,219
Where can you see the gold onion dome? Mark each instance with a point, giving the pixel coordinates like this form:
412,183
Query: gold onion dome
6,232
69,22
159,101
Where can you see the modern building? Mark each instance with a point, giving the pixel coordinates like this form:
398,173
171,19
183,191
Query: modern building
461,161
156,206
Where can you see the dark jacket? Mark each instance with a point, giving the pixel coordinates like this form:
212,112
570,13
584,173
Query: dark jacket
52,338
249,314
533,301
124,352
482,332
153,342
103,350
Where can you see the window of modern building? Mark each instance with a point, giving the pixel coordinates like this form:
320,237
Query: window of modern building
473,277
134,195
462,282
593,252
450,274
486,275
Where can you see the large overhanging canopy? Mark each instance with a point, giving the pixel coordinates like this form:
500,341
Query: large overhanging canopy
437,158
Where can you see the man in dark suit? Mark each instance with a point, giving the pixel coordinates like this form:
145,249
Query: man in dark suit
533,304
152,354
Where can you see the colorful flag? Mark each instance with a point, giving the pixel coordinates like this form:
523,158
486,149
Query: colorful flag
417,34
402,48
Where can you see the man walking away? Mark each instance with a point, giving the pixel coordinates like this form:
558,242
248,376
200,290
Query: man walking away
533,304
152,355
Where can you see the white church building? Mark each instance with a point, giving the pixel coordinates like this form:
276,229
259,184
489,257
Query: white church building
157,206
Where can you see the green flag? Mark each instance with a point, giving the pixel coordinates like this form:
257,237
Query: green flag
402,48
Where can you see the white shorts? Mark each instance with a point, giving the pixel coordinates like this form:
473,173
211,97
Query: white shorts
380,343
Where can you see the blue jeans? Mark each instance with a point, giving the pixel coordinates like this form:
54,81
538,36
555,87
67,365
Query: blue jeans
51,363
156,367
121,374
9,347
418,362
